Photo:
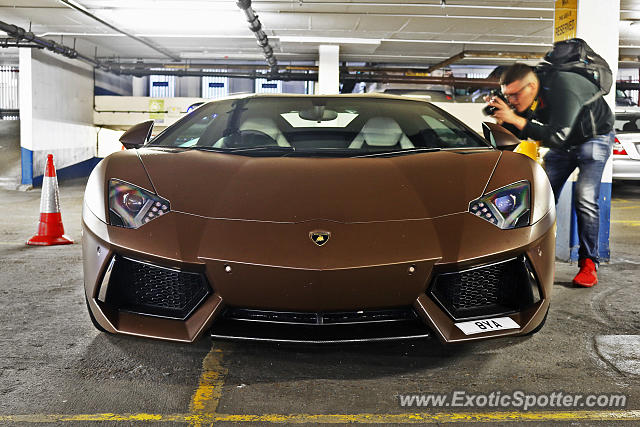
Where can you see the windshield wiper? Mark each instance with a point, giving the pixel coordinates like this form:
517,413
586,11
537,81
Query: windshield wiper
203,148
400,152
277,148
260,150
272,148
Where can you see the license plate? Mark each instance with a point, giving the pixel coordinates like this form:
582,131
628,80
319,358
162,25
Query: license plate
487,325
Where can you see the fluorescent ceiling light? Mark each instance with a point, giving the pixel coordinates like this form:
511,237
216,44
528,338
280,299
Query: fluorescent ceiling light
54,33
328,40
466,42
439,6
178,20
203,36
146,5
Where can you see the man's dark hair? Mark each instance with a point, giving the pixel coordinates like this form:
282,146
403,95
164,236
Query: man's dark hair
517,71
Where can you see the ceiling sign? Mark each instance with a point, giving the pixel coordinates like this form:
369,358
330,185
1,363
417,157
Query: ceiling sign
566,17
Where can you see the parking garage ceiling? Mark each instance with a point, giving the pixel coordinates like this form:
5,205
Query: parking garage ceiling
371,31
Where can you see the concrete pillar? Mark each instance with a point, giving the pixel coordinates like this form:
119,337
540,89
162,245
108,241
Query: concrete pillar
56,114
111,84
140,86
294,87
597,24
189,87
329,72
240,86
25,99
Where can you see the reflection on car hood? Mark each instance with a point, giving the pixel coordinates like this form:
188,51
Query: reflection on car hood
293,189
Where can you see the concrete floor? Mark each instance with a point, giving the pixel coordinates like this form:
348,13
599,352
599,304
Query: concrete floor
55,368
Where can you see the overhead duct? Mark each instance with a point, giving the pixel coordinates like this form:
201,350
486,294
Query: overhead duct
256,27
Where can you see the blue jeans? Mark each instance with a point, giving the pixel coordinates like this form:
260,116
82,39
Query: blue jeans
590,158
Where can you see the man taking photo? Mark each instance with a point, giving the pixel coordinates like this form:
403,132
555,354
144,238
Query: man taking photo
558,109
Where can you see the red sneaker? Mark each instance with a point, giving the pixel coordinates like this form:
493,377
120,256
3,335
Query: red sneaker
587,276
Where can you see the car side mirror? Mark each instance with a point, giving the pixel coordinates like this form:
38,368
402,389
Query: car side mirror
137,135
499,137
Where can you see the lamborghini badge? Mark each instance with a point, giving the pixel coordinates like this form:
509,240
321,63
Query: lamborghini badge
319,237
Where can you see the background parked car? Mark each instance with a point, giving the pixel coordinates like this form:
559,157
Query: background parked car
626,149
623,99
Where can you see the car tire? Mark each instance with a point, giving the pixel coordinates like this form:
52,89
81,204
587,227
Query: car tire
93,319
537,328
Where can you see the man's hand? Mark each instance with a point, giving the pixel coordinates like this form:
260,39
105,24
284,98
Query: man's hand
505,114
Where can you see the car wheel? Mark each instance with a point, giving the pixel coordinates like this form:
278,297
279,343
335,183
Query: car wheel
93,319
537,328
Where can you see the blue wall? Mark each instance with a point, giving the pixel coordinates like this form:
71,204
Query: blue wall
26,159
78,170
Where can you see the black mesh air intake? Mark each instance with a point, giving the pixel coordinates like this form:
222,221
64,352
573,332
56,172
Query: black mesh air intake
149,289
498,288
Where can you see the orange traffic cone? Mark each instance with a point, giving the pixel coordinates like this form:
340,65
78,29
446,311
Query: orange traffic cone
50,228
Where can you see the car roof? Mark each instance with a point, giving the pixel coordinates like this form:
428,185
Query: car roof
630,110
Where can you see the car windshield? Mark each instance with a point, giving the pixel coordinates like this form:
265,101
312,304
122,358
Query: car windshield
319,125
627,122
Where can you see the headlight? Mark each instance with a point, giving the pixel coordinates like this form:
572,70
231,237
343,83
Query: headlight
131,206
506,207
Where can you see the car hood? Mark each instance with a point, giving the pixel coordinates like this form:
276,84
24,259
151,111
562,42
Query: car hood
297,189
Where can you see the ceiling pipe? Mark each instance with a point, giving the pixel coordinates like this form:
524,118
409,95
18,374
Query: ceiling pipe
304,76
362,74
256,27
446,62
406,71
21,34
627,85
72,4
483,54
11,42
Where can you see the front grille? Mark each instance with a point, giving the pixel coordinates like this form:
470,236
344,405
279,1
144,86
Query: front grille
320,318
149,289
499,288
319,328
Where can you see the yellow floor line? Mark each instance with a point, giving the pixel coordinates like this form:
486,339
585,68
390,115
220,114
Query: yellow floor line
409,418
626,207
207,396
626,222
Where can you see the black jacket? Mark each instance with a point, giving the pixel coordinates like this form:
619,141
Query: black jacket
564,117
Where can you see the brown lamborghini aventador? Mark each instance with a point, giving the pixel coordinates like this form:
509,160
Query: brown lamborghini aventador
318,219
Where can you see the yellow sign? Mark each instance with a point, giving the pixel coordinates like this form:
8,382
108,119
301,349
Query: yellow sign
156,109
566,18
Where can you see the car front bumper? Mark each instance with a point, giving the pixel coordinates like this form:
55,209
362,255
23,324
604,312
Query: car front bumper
625,168
273,267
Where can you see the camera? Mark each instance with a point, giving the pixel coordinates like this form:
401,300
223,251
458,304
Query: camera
489,110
